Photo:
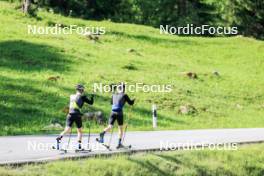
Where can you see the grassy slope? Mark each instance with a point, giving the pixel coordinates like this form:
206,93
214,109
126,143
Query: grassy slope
246,161
28,101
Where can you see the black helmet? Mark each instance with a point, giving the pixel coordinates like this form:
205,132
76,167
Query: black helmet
79,87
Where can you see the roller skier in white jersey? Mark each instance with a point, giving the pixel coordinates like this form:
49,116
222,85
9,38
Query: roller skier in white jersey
75,116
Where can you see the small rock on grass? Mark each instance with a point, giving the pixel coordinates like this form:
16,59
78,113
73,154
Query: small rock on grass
54,78
91,36
191,75
238,106
187,110
53,127
131,50
216,73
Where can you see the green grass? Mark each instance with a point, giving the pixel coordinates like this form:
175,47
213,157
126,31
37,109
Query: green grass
29,101
246,161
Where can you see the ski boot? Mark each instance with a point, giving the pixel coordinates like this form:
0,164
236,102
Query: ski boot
119,146
101,139
58,139
79,145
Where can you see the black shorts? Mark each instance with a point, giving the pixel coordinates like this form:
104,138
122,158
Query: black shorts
71,118
116,116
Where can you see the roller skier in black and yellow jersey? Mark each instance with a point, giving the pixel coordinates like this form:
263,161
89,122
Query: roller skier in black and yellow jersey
77,101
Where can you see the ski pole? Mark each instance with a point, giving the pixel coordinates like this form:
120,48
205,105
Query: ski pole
58,145
89,134
111,136
124,135
69,140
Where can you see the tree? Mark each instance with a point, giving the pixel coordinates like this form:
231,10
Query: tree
250,17
26,6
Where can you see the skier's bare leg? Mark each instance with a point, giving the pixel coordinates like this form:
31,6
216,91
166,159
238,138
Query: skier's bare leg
120,134
66,130
80,132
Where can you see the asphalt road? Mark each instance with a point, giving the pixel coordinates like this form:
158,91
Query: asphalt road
28,149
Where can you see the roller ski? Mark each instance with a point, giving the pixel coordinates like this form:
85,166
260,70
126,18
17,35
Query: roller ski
103,144
57,147
101,141
62,150
81,150
121,146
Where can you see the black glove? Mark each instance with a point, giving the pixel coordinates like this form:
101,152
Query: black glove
133,101
91,96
